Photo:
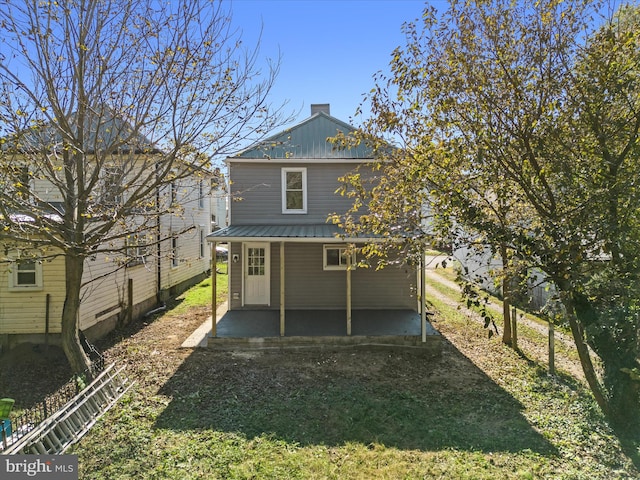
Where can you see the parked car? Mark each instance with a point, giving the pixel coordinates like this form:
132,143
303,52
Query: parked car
222,252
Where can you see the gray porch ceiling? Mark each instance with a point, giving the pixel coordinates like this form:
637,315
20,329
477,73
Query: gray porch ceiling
290,233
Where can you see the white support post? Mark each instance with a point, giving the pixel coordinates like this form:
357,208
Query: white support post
349,294
552,349
423,300
282,283
214,289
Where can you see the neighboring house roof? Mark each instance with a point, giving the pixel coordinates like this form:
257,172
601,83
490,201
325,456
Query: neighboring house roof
293,233
306,140
104,129
25,218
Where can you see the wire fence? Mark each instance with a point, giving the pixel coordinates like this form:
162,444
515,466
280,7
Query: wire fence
21,425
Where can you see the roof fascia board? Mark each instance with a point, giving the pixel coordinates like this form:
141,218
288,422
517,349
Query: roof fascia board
295,239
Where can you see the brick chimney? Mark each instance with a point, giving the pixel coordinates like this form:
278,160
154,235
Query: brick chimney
320,107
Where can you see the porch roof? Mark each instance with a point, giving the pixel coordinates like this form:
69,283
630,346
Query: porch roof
290,233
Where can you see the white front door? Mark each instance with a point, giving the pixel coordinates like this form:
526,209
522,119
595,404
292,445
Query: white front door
256,274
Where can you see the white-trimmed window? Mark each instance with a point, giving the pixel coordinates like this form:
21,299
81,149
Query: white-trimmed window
201,194
137,250
294,190
113,178
175,261
25,274
203,241
334,257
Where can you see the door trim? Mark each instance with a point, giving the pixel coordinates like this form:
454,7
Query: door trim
267,271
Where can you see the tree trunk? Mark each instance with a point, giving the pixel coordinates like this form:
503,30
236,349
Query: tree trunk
506,315
623,393
506,297
619,395
584,355
76,356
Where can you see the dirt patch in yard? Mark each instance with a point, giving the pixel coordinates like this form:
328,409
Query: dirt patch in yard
29,372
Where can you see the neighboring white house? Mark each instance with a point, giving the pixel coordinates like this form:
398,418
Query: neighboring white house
481,266
119,287
219,201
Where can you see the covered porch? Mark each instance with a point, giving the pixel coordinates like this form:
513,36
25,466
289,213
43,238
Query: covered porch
278,323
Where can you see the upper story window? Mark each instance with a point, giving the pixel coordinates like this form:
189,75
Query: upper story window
113,177
22,181
137,250
294,190
25,275
201,194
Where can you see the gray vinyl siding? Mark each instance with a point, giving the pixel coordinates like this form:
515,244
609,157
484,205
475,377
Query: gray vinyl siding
391,287
256,193
308,286
235,277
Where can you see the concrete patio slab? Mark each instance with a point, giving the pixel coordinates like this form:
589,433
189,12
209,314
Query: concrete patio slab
319,323
260,329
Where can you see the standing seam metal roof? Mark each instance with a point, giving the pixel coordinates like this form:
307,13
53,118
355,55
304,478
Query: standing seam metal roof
307,140
103,129
325,232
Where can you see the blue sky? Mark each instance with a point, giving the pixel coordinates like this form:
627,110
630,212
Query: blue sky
330,48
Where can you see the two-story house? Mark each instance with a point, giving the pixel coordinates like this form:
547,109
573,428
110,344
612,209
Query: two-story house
133,275
291,272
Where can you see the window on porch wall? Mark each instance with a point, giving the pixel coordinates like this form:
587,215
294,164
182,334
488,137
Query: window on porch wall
335,257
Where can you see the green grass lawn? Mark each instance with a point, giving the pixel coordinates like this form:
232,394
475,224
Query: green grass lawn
481,411
450,274
200,295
